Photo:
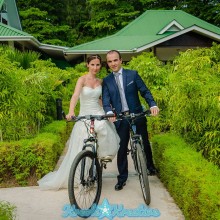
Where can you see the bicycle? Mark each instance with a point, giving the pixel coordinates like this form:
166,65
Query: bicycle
137,152
85,177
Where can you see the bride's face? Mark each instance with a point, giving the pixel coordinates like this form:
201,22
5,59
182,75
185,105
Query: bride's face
94,66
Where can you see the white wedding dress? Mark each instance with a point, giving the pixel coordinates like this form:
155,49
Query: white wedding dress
108,140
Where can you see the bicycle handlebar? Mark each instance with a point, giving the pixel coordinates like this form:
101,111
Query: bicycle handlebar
103,117
90,117
133,115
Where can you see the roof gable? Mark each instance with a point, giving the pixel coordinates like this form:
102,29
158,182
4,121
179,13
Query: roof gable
152,21
173,26
1,3
9,13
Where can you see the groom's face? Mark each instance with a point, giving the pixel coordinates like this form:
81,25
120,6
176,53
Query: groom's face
113,61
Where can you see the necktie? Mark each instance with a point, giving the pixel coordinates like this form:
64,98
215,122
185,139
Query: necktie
121,92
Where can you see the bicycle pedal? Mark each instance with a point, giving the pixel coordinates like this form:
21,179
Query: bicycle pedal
106,161
104,165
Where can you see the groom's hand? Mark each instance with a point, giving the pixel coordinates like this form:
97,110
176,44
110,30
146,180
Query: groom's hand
111,119
154,110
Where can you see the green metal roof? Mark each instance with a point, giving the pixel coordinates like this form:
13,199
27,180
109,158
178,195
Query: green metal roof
7,31
144,30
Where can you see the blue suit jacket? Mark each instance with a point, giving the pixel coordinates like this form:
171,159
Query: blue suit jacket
133,84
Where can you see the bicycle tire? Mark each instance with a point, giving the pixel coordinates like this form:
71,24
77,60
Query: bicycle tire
142,173
78,190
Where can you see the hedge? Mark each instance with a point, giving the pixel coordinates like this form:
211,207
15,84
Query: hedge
193,182
21,160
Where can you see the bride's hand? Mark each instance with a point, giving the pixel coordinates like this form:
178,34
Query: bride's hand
69,116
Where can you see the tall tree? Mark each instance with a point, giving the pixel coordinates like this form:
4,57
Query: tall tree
52,7
35,22
207,10
108,16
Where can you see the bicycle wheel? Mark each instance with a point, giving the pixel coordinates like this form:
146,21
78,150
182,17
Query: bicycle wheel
85,183
142,173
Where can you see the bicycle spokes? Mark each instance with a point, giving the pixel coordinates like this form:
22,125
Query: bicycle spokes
85,182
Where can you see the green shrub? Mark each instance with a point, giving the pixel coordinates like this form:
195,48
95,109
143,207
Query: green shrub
155,74
32,157
194,105
7,211
192,181
28,96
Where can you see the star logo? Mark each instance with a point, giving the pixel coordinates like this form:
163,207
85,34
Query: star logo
105,210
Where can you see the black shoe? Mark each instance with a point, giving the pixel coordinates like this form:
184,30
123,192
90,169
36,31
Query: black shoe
119,186
151,171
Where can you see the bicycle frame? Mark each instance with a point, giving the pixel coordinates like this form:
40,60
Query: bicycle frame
93,145
134,139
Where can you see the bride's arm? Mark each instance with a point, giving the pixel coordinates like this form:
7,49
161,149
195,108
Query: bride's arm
74,98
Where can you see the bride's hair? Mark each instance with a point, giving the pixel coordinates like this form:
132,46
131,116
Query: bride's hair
93,57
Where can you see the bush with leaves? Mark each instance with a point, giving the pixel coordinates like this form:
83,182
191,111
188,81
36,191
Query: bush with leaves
26,160
154,73
193,182
194,105
28,96
7,211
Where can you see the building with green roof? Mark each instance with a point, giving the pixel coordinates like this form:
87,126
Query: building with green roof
165,32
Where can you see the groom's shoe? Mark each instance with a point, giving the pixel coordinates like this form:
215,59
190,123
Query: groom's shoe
152,171
119,186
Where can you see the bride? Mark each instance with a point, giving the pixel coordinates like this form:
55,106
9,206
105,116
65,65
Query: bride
88,89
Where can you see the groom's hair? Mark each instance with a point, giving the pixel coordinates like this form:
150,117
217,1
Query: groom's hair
114,51
93,57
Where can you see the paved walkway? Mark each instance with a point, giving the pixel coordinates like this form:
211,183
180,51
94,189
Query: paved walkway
35,204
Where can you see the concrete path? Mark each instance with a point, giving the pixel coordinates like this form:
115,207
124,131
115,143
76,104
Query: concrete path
35,204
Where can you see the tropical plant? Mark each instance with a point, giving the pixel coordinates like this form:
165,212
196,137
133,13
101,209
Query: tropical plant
28,96
155,75
194,105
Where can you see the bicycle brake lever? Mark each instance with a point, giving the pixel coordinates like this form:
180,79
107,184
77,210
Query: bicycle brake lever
73,118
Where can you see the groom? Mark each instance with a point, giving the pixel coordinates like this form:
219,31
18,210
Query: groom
120,92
